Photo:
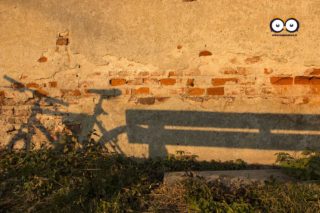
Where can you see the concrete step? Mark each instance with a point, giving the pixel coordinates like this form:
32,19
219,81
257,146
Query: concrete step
230,176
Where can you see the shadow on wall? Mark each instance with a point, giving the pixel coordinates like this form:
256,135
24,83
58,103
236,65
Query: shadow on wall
158,128
78,124
218,129
28,130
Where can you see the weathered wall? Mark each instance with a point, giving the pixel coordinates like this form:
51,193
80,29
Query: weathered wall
206,77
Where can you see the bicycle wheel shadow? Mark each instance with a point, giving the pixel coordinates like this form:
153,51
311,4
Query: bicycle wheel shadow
28,129
77,125
84,125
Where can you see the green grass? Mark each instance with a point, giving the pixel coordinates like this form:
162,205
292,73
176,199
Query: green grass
69,179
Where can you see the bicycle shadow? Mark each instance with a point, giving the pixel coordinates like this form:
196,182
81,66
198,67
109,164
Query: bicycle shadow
82,124
79,125
28,130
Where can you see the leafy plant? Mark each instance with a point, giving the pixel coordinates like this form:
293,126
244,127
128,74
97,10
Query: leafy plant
305,167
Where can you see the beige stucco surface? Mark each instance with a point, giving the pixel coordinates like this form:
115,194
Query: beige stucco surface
122,39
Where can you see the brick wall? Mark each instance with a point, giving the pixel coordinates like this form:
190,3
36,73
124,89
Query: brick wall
76,70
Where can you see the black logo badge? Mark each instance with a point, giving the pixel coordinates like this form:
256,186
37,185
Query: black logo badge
291,25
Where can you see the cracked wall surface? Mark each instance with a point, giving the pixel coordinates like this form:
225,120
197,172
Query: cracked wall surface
153,77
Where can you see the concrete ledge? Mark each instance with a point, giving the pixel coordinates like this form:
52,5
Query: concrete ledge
230,176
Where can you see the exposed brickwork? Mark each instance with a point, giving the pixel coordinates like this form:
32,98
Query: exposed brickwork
242,82
41,92
315,80
253,60
2,94
204,53
281,80
168,81
53,84
315,71
147,88
62,41
42,59
222,81
162,99
141,91
302,80
195,91
118,82
32,85
175,73
190,82
68,92
147,100
215,91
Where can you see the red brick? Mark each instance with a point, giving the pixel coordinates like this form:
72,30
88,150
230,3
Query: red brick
315,71
53,84
215,91
117,81
33,85
281,80
62,41
302,80
42,59
168,81
315,80
147,101
141,91
190,82
2,94
253,60
175,73
204,53
76,92
195,91
222,81
41,92
162,99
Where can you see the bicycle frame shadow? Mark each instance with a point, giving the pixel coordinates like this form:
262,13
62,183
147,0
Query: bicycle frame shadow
86,121
28,129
